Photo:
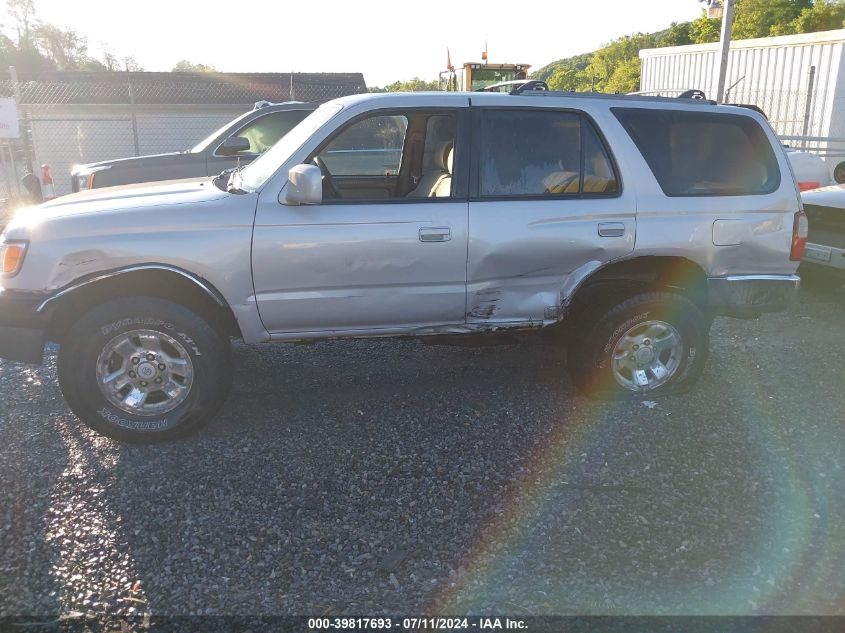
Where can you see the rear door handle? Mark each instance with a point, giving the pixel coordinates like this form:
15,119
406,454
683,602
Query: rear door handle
611,229
435,234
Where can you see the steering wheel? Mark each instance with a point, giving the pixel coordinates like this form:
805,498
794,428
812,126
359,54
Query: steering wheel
328,181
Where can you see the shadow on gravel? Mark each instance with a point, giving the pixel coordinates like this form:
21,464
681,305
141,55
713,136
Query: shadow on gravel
33,459
392,477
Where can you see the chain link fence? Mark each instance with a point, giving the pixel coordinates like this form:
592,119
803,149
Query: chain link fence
148,88
70,118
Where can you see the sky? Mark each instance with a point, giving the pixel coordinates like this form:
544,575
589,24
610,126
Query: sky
384,40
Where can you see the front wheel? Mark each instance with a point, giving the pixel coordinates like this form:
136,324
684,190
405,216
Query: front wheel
144,369
652,344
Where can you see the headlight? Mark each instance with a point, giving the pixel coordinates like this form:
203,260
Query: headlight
85,179
83,182
12,253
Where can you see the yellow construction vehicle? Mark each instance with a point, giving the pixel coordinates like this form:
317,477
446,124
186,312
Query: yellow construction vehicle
473,76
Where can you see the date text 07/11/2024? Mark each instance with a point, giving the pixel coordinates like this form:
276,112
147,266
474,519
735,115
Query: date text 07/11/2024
416,623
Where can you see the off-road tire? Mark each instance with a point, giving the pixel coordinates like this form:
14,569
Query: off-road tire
591,348
209,351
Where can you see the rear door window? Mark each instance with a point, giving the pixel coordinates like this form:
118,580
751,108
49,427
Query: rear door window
539,153
703,153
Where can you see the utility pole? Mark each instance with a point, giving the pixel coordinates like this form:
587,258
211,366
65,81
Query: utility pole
728,7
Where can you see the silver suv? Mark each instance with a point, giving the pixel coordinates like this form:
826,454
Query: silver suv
617,226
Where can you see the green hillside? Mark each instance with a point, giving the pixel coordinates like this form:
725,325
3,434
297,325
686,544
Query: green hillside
616,66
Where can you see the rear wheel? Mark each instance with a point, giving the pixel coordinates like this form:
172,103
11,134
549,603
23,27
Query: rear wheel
650,345
144,369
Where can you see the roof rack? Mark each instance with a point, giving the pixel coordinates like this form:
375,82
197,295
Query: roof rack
619,96
517,86
750,106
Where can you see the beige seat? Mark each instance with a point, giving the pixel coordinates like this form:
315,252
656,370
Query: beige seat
599,177
561,182
437,182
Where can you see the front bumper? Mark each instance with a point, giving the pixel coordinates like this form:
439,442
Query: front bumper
748,296
22,328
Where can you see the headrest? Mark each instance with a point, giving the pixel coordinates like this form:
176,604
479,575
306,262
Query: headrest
450,158
443,157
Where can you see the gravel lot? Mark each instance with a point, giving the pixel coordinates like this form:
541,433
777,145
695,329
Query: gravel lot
382,477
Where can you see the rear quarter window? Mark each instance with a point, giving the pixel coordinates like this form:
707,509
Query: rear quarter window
703,153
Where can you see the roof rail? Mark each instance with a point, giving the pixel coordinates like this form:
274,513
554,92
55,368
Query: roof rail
516,86
618,97
534,84
750,106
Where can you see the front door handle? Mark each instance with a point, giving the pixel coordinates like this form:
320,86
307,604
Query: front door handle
611,229
435,234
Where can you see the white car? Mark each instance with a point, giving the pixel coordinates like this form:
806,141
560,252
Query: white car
811,171
824,257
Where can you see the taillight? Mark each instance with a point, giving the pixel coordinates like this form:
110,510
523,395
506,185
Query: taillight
800,227
809,185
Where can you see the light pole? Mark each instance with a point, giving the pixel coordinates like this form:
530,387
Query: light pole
725,10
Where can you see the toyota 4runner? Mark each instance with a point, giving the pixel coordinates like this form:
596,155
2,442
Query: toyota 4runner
618,226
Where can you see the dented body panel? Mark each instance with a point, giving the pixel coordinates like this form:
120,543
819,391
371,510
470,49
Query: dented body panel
190,224
523,255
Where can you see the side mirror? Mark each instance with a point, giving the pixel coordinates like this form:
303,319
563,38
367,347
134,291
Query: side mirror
233,145
305,185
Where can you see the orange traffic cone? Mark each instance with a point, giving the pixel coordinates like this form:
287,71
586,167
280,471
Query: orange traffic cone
47,190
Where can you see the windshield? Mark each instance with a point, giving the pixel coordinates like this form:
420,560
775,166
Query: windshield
259,171
483,77
208,140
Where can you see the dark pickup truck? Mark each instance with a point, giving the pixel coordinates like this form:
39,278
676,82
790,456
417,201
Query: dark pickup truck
238,142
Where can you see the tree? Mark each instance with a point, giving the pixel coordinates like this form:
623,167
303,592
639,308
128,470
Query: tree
616,67
184,66
66,49
576,63
625,77
705,30
619,56
824,15
7,51
110,60
412,85
678,34
131,65
43,46
22,13
565,77
763,18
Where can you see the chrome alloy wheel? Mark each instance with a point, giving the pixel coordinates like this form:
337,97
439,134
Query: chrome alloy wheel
144,372
647,356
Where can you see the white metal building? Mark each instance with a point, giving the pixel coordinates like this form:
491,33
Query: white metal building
81,117
798,80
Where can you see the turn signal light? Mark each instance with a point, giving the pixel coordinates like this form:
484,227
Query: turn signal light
11,257
800,228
